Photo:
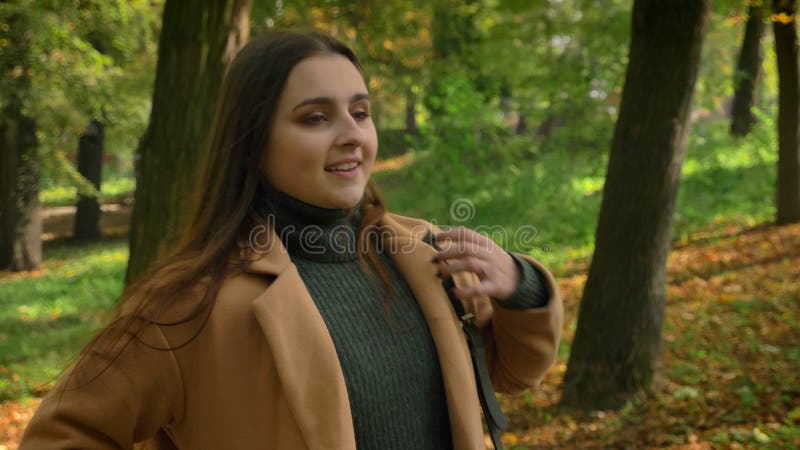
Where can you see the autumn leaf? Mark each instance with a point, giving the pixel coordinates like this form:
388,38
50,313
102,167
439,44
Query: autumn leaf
783,18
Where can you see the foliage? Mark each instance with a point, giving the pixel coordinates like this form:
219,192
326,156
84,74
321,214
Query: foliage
562,64
557,64
391,38
459,141
92,59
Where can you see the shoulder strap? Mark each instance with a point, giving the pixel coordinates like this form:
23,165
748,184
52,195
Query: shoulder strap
495,419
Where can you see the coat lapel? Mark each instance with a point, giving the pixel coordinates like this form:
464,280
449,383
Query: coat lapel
306,359
413,259
304,353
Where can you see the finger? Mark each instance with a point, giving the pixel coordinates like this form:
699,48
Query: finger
467,292
457,251
472,264
462,241
463,248
461,234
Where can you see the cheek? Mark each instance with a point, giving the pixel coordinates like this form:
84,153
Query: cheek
299,162
293,155
372,145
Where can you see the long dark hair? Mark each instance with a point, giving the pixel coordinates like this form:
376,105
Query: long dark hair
231,195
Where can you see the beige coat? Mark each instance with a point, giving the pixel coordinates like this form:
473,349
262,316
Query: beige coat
264,374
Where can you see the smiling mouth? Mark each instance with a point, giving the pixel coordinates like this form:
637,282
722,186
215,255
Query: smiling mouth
344,167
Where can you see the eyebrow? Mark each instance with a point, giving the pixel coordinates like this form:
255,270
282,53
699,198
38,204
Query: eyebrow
329,100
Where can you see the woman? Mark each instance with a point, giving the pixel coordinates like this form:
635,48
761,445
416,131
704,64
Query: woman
297,313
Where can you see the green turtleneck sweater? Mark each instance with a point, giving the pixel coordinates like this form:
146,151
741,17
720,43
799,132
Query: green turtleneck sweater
390,365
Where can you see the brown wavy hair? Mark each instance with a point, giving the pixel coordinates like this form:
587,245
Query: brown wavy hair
232,198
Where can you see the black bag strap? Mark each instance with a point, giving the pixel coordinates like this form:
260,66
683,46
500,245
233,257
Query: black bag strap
495,419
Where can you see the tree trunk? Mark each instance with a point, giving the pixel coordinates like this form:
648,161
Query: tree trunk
90,165
748,70
616,352
788,184
20,217
411,112
198,40
8,180
522,125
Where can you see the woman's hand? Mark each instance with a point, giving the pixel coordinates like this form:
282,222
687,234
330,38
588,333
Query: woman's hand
472,251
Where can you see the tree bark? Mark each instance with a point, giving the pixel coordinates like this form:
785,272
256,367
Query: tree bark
8,181
748,70
411,112
786,51
20,217
616,352
90,165
198,40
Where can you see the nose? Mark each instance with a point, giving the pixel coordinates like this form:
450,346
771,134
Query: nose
350,133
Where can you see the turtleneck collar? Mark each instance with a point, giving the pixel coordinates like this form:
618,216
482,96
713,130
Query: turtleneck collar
313,232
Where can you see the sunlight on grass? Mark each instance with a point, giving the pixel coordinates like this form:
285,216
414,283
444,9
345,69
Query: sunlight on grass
46,318
66,195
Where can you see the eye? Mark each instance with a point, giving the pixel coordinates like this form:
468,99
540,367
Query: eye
361,115
314,119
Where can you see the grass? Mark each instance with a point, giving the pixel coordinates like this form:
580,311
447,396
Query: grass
112,190
46,316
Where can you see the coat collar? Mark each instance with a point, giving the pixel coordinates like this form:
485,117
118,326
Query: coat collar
305,356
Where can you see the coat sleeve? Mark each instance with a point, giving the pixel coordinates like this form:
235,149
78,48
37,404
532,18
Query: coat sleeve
133,396
520,344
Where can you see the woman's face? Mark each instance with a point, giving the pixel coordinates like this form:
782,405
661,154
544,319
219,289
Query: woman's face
322,118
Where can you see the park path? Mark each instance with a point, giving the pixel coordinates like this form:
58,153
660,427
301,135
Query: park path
57,221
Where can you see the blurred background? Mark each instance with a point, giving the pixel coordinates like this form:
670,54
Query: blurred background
490,113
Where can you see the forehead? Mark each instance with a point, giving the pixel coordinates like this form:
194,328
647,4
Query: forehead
327,75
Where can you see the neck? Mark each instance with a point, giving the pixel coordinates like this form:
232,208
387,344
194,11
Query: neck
313,232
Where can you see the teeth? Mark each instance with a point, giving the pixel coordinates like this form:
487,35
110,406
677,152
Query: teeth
345,166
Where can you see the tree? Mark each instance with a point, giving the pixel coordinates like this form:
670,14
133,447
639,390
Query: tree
20,218
788,183
748,70
61,65
454,38
563,62
197,41
90,165
616,350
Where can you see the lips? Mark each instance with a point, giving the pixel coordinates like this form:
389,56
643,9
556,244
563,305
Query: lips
343,166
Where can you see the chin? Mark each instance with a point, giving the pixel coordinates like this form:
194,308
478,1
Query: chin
346,202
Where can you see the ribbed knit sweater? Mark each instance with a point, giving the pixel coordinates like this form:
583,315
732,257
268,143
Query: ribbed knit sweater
390,365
